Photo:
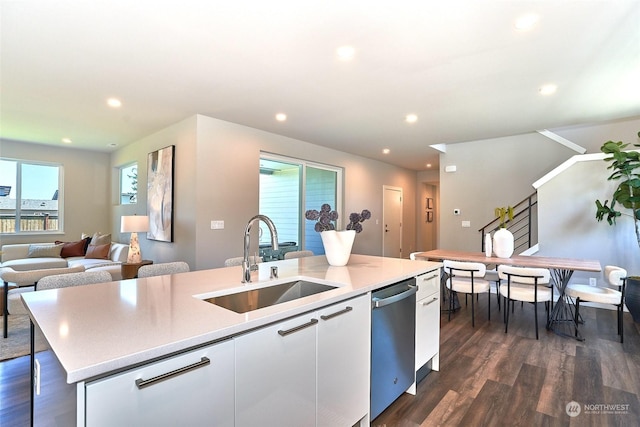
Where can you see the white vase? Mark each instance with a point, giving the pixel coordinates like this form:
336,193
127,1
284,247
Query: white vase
503,243
488,247
337,246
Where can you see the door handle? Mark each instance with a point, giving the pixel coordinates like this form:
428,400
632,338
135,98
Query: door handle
376,303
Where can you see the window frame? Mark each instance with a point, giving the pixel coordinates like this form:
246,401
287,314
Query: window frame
304,164
19,200
121,170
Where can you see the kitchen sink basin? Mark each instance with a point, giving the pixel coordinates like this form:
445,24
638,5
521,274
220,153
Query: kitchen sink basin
242,302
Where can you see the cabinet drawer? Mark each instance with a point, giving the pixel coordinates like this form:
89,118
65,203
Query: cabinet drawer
428,284
195,388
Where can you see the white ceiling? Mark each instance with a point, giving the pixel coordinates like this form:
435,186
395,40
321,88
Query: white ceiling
459,65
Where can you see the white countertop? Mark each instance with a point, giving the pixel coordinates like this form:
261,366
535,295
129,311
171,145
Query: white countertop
97,329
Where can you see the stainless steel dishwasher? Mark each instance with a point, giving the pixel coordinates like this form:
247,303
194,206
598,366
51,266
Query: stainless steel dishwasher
393,341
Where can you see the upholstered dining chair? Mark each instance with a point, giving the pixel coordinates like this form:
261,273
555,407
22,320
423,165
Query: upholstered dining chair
24,281
527,285
62,281
73,279
297,254
230,262
616,277
150,270
468,278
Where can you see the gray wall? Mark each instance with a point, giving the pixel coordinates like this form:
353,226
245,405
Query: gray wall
228,157
490,173
183,136
217,178
500,172
86,189
567,224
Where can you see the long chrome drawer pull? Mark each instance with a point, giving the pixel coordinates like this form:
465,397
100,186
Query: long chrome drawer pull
424,279
337,313
297,328
204,361
429,302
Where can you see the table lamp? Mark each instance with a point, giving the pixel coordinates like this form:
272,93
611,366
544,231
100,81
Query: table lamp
134,224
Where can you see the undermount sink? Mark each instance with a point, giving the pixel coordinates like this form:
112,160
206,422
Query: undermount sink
242,302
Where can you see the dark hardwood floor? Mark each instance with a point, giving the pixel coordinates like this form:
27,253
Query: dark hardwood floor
487,377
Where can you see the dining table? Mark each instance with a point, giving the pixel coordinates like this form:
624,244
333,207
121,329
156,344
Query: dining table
562,318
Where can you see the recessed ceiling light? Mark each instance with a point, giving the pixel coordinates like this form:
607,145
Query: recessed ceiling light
281,117
526,22
114,103
385,151
428,165
411,118
66,140
548,89
345,53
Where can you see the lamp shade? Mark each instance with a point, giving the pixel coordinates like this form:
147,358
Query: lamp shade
134,224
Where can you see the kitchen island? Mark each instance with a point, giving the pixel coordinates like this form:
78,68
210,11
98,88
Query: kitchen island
109,331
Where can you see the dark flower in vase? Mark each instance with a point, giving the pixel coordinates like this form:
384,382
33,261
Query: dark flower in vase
326,218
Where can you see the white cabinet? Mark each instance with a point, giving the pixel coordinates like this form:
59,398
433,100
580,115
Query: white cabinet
275,374
195,388
309,370
427,321
343,362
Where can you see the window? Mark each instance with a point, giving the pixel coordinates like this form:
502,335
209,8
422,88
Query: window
29,196
129,184
289,187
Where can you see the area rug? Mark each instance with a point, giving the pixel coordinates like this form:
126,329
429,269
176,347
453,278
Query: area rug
18,342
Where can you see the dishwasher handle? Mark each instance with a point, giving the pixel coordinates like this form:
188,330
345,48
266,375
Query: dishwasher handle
376,302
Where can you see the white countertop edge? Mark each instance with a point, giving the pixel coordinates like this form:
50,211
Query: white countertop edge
89,371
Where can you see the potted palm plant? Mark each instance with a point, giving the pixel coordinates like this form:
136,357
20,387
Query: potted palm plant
625,166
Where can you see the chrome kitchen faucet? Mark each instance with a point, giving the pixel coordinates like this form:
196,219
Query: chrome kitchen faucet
247,268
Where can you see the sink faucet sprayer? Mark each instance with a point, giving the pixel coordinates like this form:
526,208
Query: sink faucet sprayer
247,268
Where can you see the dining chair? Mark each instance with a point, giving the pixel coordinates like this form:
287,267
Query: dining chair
615,276
492,276
73,279
525,284
298,254
230,262
467,278
150,270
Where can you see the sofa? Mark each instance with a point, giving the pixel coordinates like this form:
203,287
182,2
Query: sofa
92,256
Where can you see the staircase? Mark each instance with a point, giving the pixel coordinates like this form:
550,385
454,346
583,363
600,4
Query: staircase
524,225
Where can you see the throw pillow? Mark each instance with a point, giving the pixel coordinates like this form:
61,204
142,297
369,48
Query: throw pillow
70,249
100,239
98,251
44,251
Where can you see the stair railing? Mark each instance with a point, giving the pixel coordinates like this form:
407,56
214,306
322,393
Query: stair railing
523,227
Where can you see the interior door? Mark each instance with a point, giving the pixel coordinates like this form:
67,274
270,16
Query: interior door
392,222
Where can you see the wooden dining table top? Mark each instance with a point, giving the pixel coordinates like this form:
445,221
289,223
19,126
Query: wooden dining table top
515,260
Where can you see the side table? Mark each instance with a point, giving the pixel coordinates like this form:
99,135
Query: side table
130,270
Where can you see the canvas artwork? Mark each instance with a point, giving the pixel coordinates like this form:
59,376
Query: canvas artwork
160,194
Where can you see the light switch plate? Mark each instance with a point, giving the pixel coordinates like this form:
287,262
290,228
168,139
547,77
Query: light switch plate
466,224
217,225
